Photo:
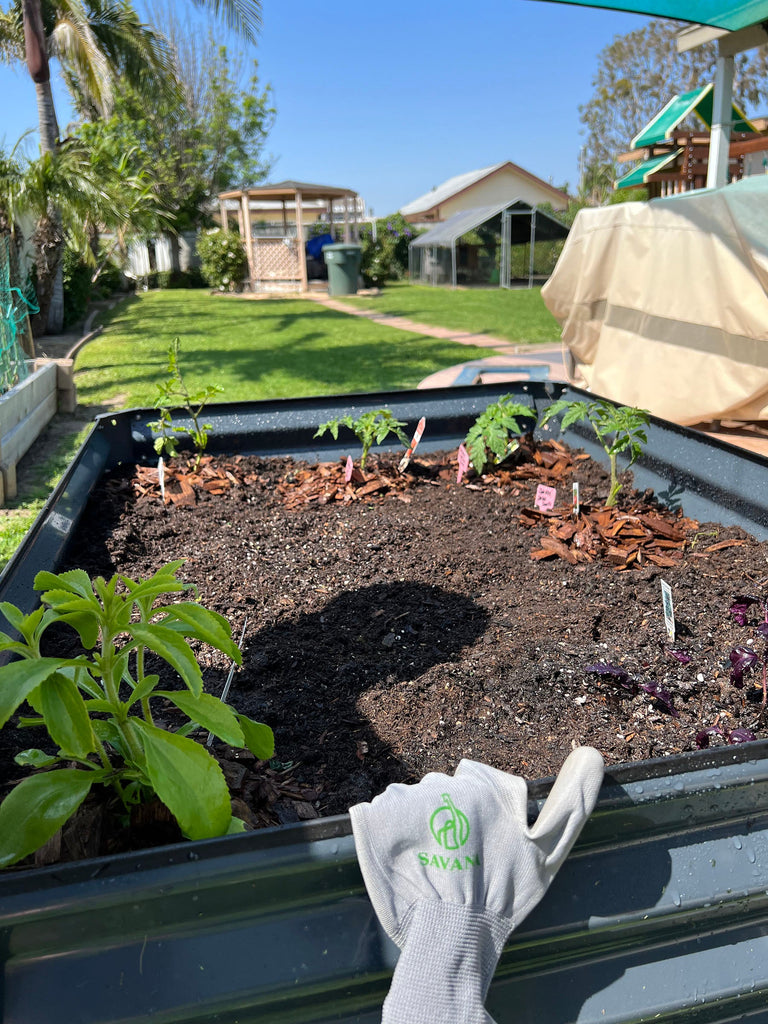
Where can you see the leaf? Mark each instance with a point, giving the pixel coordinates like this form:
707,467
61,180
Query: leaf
37,808
173,649
86,625
34,758
206,625
259,738
144,688
164,581
19,679
66,716
236,826
75,581
208,711
188,781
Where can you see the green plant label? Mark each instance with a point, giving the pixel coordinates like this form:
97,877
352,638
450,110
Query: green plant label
545,498
449,825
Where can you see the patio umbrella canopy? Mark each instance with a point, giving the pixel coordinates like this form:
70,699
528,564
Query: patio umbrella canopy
727,14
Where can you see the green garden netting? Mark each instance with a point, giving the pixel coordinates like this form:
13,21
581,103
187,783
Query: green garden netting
14,307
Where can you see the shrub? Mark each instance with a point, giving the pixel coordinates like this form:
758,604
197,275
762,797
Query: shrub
386,258
77,286
223,260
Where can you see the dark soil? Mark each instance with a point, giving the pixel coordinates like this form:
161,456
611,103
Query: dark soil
393,635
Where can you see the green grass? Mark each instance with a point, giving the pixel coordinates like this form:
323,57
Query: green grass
272,348
36,478
517,314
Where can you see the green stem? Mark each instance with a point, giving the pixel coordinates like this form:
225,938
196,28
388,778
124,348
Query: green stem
615,485
145,710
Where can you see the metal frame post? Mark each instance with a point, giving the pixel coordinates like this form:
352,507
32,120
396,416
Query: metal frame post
532,243
720,139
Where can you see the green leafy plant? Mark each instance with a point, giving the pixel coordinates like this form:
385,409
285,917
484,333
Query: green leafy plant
223,260
494,430
174,394
372,427
98,707
618,428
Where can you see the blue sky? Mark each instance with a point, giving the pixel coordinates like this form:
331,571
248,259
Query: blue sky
391,99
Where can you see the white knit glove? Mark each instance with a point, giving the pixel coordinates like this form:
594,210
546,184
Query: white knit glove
452,868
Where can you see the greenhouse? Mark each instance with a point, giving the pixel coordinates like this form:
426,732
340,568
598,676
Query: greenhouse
488,246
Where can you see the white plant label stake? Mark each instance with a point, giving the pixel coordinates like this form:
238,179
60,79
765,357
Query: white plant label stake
161,477
414,441
228,684
576,501
669,610
545,498
463,463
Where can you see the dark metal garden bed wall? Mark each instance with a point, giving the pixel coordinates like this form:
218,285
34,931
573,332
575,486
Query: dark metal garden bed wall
660,913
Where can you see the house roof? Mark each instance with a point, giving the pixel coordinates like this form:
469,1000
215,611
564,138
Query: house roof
461,182
445,234
288,190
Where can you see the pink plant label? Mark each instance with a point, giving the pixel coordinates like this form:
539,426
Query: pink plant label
545,498
463,463
412,448
349,469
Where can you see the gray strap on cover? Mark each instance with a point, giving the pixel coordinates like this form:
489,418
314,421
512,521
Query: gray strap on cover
452,867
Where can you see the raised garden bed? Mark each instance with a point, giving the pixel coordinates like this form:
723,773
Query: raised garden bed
387,625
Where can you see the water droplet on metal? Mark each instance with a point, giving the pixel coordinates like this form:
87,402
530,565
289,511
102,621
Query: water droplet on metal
737,842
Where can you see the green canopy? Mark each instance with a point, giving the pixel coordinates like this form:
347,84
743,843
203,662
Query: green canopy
640,174
675,112
728,14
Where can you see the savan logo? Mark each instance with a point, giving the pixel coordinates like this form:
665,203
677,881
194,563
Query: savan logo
450,828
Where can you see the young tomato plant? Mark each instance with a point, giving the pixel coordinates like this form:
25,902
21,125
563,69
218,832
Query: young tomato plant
174,394
98,707
618,429
494,430
373,426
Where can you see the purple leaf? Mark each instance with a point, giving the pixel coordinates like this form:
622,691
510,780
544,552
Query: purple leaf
741,736
605,668
681,656
663,696
742,660
762,629
740,607
702,737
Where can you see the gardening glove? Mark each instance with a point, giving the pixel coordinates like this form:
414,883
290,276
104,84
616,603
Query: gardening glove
452,867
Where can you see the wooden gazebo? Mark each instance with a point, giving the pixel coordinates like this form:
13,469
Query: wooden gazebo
274,221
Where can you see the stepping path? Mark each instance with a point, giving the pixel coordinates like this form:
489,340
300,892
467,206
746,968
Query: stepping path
506,353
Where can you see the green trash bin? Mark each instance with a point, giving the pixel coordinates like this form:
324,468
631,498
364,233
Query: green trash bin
343,261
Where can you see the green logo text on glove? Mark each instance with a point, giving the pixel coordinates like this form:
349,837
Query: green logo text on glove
449,826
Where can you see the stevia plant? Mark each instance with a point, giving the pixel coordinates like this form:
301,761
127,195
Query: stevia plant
99,707
371,427
618,429
495,431
174,394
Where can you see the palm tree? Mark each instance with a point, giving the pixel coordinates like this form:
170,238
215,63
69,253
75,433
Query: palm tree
94,41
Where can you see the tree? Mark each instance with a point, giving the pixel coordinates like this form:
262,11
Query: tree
95,42
637,75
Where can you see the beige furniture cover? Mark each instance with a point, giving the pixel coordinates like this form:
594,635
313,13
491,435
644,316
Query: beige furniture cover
664,305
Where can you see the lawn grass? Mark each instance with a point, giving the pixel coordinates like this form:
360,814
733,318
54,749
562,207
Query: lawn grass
517,314
271,348
36,477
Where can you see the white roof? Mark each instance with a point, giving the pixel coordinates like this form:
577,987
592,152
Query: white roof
447,189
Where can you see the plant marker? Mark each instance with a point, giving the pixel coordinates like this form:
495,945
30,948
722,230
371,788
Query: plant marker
414,441
669,610
576,500
225,691
545,498
349,469
161,477
463,463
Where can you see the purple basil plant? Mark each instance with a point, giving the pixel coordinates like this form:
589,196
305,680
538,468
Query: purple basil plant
661,695
743,658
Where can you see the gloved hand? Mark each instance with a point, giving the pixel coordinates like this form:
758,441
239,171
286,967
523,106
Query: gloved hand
452,868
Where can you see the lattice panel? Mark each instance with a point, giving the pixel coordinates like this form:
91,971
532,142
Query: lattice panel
276,259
